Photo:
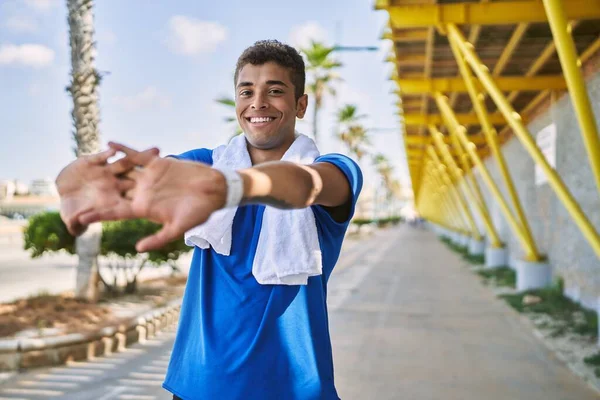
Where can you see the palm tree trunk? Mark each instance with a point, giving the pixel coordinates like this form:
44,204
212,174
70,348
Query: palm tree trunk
84,81
315,120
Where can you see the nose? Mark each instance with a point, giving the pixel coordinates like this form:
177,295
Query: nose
259,102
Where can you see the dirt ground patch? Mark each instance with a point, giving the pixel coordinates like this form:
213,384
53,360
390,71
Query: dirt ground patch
48,315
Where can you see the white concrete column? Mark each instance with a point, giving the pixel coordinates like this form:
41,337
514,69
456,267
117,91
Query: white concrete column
476,247
495,257
533,275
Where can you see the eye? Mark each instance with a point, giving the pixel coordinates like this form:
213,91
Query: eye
276,91
245,93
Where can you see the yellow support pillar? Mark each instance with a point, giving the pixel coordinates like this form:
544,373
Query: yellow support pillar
460,131
575,82
469,173
453,214
450,203
515,122
487,221
454,190
491,137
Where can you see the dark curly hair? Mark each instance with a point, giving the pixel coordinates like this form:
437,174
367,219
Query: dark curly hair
265,51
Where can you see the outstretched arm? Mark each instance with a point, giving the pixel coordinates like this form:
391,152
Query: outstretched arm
183,194
287,185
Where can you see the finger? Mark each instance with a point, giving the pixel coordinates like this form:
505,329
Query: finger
137,157
166,235
102,157
125,185
126,163
133,175
121,166
75,228
121,211
129,194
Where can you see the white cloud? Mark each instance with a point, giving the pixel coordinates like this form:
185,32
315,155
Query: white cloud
301,35
21,24
190,36
32,55
42,5
147,98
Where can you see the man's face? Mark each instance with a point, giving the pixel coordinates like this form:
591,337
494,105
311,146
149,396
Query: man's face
265,105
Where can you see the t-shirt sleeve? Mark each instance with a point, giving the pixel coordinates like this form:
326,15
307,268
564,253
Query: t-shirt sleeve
353,174
197,155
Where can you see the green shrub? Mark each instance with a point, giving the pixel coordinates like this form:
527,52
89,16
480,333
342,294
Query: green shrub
119,239
380,221
46,233
362,221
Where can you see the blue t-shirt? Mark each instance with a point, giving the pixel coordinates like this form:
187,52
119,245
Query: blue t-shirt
238,339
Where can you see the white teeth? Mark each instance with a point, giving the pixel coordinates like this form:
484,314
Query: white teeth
261,119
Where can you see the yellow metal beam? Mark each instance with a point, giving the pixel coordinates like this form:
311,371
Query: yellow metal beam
565,47
427,72
473,38
539,62
478,140
505,83
445,172
407,36
477,98
492,13
454,170
463,119
515,122
414,60
515,39
459,131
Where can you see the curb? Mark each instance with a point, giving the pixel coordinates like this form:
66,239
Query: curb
17,354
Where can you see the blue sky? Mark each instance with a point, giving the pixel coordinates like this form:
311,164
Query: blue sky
164,63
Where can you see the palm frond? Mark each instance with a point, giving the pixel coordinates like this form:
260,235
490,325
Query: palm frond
226,101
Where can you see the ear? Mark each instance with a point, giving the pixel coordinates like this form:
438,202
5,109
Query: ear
301,105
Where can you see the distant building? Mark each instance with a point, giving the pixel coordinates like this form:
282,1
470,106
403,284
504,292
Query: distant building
21,189
18,201
20,207
43,187
7,190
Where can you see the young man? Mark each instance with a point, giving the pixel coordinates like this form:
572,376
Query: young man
254,321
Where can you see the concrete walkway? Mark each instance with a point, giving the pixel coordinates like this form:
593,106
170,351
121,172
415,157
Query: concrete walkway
420,326
408,321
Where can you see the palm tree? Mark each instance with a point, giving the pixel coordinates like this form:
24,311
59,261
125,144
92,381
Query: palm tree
386,171
230,103
352,133
320,67
83,88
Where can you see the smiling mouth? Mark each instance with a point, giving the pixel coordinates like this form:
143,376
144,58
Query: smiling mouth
260,120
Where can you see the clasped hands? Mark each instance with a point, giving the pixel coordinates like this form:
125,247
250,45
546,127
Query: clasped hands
177,194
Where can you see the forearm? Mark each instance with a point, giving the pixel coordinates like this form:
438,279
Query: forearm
281,184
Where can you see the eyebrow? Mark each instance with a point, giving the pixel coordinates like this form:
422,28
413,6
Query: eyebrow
271,82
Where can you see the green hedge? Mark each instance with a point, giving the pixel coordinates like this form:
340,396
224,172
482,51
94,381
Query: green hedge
46,233
379,221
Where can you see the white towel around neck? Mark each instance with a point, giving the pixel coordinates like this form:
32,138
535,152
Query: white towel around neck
288,250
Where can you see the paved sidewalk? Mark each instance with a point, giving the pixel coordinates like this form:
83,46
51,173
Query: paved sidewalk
421,326
408,321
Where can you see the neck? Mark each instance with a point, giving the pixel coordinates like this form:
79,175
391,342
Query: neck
259,156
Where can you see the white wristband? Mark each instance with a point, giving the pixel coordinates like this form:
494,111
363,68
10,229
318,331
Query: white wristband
235,187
